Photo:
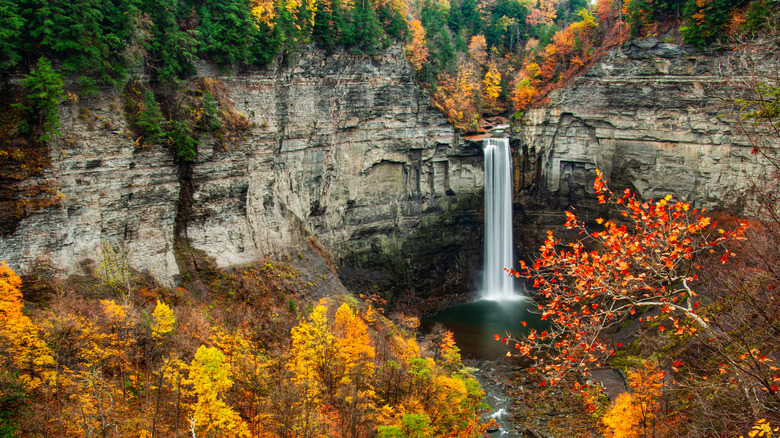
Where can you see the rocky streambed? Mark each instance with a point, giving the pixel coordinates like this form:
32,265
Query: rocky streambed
524,409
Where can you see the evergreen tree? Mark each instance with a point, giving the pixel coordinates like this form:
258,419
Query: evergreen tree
172,48
150,119
503,31
227,32
44,85
471,16
288,33
440,47
211,118
326,29
393,23
183,140
267,44
87,35
10,34
369,36
455,20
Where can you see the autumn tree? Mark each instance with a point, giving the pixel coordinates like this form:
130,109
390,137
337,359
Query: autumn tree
210,379
163,320
19,338
523,95
355,397
478,49
459,97
636,414
545,13
313,373
643,259
418,49
492,88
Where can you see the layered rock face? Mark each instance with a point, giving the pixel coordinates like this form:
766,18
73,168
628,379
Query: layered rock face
342,148
651,116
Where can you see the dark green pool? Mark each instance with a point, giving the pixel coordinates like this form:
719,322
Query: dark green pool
475,324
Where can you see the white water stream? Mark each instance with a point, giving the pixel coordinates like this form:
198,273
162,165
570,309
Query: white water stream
496,283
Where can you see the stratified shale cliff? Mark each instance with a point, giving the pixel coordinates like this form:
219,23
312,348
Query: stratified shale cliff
655,117
341,148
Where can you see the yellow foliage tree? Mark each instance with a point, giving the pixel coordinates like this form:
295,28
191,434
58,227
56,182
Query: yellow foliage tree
418,49
210,379
634,414
492,87
19,339
312,368
263,11
623,417
163,320
355,354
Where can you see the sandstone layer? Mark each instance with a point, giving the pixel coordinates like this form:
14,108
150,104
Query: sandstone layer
655,116
341,148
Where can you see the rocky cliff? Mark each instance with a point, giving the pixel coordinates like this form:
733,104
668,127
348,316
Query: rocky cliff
341,148
654,116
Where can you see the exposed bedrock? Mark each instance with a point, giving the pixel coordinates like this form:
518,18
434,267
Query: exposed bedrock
342,148
652,116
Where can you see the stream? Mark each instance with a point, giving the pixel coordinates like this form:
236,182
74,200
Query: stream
474,326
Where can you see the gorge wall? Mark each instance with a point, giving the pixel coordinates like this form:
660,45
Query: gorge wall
655,116
347,150
342,148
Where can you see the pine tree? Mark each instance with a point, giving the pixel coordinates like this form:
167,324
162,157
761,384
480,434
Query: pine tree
325,32
10,34
227,32
172,48
45,91
150,119
393,22
367,29
86,35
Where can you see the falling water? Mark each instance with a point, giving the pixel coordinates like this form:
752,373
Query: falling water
497,285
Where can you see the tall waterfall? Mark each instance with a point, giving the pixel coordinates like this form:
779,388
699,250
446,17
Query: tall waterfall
496,284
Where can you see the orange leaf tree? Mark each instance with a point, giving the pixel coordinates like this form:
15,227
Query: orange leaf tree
418,49
635,414
643,259
20,343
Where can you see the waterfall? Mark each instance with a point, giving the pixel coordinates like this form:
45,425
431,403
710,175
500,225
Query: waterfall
496,284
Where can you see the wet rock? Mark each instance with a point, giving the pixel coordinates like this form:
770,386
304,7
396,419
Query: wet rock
530,433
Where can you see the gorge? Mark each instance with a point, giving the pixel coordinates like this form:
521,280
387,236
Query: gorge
349,150
292,219
344,155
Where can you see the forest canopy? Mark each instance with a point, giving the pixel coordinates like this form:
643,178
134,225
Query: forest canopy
477,57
